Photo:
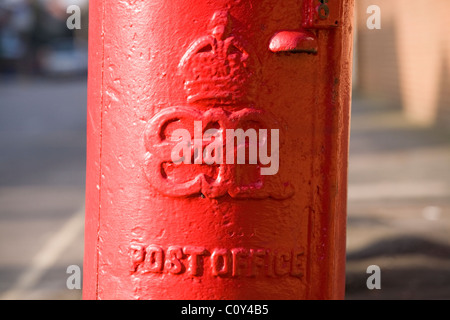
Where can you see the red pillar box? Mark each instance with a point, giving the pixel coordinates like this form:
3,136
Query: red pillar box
217,149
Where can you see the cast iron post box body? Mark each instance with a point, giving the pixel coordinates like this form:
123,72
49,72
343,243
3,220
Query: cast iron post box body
177,207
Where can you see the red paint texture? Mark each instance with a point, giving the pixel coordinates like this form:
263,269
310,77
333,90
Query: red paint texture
159,230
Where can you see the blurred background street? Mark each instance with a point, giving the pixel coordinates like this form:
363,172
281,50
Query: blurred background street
42,168
43,68
399,165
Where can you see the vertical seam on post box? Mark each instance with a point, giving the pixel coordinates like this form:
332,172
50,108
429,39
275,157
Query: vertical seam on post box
332,154
312,209
344,135
101,146
317,172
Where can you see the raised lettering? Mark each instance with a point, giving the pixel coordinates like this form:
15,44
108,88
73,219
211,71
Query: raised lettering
257,261
195,259
240,261
154,257
297,263
235,262
282,262
137,254
173,263
221,262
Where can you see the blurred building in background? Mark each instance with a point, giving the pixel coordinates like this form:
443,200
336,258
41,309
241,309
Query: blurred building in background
407,62
35,39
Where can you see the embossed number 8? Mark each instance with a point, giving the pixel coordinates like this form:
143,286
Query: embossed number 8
323,10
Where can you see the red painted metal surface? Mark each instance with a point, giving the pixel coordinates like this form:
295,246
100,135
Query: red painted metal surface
268,225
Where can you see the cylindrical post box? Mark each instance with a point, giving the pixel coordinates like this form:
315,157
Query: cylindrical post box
217,149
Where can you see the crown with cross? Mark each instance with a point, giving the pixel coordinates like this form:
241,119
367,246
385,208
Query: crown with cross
216,67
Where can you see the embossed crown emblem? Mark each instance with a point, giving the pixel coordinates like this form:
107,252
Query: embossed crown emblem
216,67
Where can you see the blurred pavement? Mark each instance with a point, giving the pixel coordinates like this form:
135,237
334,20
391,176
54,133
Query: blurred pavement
398,210
42,176
399,205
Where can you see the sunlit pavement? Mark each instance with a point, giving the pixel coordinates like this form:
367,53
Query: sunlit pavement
399,206
398,209
42,175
